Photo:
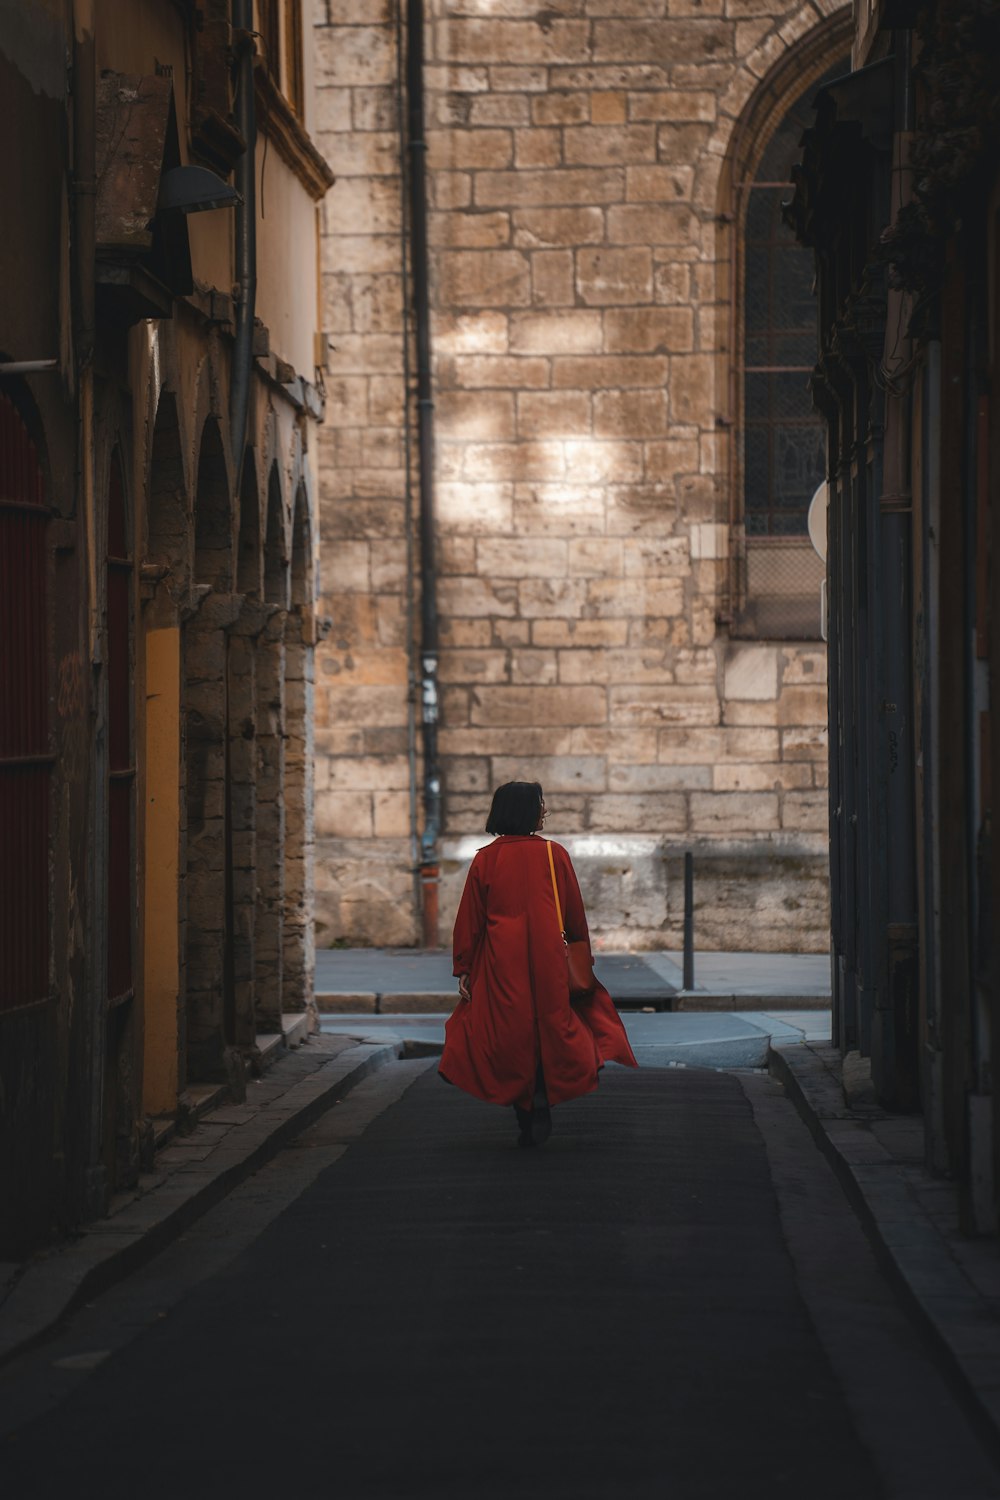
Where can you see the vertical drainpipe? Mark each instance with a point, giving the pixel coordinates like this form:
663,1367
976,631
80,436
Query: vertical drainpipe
429,869
84,334
239,405
246,236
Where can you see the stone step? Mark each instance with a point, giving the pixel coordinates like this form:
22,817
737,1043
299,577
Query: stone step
295,1027
195,1102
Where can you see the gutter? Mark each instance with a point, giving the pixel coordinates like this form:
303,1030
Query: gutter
84,125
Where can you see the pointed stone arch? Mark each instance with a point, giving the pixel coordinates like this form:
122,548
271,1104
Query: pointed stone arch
119,904
298,945
275,551
210,1002
213,512
248,549
773,575
167,547
167,510
241,665
270,772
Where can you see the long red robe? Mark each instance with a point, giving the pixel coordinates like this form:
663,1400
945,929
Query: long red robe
507,939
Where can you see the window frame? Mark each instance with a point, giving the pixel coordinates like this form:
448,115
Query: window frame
281,32
783,87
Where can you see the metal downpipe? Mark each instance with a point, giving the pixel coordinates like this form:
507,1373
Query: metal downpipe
429,871
84,119
246,236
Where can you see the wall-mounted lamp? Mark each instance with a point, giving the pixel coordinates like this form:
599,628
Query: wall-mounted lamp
191,190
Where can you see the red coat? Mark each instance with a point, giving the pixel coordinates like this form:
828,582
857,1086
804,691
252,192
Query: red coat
507,939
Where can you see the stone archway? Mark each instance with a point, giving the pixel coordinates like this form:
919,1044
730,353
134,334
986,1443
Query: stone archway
299,940
270,761
209,952
120,1104
166,563
242,642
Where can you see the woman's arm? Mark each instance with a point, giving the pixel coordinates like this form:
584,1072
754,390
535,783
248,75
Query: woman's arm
574,915
470,922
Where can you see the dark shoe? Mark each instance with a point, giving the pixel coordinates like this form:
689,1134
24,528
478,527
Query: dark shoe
524,1118
541,1124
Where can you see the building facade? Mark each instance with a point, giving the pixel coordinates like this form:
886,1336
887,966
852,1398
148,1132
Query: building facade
899,194
624,452
158,412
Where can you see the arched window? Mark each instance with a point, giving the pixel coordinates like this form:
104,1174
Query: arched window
25,752
785,457
781,452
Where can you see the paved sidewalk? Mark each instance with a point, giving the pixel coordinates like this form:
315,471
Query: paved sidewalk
190,1175
951,1282
381,981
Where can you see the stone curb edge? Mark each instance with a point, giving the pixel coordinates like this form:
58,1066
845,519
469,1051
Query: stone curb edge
903,1258
57,1287
442,1002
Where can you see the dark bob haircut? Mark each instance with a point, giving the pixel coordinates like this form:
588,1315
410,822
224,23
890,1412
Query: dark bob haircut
517,806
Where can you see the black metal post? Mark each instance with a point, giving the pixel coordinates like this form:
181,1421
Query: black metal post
689,921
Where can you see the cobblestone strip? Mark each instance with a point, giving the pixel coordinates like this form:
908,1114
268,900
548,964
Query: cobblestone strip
190,1175
951,1282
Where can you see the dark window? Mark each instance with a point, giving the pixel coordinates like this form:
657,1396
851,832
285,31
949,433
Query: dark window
281,42
784,439
25,759
270,35
294,81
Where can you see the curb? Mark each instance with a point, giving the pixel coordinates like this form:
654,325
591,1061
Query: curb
949,1284
112,1248
442,1002
711,1000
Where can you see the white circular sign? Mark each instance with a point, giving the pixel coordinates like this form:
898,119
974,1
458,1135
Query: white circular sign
817,519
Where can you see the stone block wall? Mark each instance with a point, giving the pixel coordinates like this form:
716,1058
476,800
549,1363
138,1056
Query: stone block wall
582,355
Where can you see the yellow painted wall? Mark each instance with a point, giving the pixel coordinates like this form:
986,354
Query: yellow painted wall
162,817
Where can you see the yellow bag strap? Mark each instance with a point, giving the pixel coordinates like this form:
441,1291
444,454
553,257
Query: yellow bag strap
555,889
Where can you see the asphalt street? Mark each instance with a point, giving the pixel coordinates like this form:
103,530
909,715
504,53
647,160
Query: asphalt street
671,1299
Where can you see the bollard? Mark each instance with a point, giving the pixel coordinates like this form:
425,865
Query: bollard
688,921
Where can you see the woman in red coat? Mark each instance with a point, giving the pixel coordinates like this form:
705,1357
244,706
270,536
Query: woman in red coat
515,1038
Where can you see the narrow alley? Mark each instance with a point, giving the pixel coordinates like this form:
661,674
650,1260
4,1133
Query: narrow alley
498,582
672,1298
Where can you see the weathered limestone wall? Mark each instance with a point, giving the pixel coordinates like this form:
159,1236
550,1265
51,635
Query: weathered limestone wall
582,354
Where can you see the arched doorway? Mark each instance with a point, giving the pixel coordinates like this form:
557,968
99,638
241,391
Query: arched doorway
242,640
166,559
120,1103
209,955
269,922
298,770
